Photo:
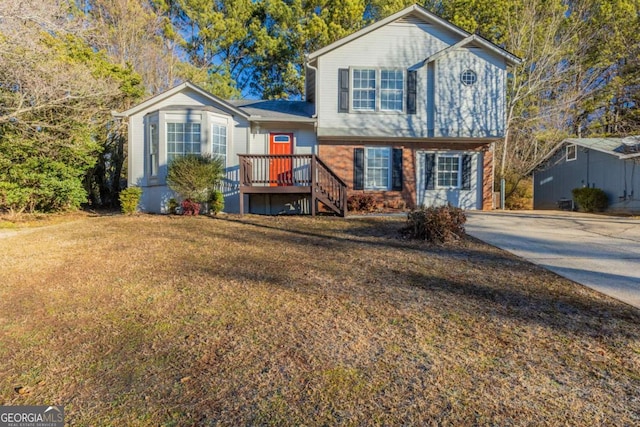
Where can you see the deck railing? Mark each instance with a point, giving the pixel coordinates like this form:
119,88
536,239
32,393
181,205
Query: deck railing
293,173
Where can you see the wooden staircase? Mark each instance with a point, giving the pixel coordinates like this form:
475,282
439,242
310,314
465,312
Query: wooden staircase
298,174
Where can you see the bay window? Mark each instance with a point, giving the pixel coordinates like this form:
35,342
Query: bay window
219,142
182,138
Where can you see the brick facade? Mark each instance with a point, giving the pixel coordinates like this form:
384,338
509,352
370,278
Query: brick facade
487,181
338,155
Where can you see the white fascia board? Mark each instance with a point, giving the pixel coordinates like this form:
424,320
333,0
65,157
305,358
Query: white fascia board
259,119
170,92
428,17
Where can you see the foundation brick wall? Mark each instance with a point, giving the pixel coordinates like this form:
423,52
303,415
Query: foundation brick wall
487,181
338,155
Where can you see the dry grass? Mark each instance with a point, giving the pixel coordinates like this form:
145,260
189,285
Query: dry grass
155,320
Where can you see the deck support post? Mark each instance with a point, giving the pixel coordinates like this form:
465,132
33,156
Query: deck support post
313,185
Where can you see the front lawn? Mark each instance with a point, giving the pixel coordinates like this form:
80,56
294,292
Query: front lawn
173,321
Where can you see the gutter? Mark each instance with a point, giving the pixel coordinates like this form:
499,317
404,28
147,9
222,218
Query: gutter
260,119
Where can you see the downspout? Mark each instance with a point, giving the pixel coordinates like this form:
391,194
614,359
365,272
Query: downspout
315,69
315,106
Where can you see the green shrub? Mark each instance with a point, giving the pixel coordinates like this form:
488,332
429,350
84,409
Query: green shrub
361,202
195,176
590,199
216,202
40,185
129,199
172,205
435,224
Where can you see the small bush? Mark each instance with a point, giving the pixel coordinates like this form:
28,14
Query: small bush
172,206
590,199
189,207
194,176
435,224
129,199
361,202
216,202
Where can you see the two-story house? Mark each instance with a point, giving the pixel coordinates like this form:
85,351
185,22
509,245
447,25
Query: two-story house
405,109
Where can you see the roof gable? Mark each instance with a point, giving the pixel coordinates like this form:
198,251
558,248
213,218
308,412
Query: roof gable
622,148
420,13
219,102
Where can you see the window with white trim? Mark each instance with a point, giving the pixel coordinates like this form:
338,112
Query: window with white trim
219,141
572,152
391,90
377,171
364,90
468,77
448,171
154,163
375,89
182,138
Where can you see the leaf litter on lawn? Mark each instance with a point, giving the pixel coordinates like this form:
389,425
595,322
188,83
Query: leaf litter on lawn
158,320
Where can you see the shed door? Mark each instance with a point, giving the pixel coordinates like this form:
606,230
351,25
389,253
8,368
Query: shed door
280,167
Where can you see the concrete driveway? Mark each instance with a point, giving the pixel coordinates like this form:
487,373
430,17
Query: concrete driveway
601,252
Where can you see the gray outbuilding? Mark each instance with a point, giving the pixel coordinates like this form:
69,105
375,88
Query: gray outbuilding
611,164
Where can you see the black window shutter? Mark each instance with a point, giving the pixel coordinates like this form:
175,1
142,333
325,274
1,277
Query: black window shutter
412,83
358,168
466,172
429,171
343,90
396,170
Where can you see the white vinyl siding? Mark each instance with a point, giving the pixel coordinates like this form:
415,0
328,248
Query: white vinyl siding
391,90
377,171
182,138
219,141
444,106
431,192
364,90
448,168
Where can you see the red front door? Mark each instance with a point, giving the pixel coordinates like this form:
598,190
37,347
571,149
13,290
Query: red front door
280,170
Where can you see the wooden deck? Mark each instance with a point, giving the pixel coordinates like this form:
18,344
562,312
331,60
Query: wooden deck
292,174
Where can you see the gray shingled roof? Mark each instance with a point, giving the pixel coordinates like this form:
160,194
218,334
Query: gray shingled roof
618,147
276,109
623,148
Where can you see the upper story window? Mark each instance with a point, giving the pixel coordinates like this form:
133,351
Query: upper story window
572,152
377,90
219,141
182,138
364,90
468,77
391,90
